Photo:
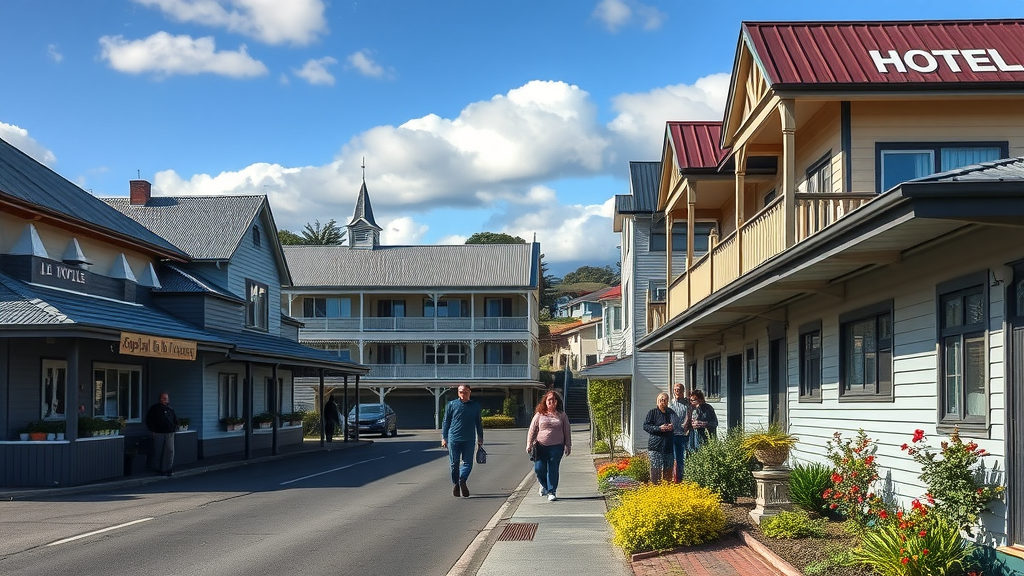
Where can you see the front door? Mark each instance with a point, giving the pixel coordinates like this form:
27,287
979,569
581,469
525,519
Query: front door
777,381
734,383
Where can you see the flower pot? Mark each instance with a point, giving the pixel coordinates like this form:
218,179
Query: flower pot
51,436
23,436
37,436
60,435
772,457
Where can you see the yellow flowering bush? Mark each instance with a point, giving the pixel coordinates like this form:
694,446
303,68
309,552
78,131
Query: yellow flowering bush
662,516
498,421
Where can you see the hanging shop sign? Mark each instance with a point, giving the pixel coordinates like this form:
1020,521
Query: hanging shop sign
157,347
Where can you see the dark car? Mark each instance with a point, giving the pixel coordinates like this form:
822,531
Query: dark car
379,418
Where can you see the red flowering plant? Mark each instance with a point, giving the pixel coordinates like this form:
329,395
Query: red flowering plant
854,471
954,478
914,542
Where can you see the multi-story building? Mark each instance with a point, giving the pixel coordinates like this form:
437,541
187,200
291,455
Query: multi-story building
423,318
866,268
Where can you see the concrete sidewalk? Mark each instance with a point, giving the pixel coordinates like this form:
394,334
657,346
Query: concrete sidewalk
540,536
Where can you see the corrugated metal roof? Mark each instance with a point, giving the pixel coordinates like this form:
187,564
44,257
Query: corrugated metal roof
696,145
594,296
644,182
998,170
257,344
832,54
451,266
204,227
24,179
174,280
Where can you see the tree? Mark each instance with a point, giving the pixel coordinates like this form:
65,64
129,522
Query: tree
329,234
494,238
604,275
288,238
606,398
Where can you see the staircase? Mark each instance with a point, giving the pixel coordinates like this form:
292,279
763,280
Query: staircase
576,405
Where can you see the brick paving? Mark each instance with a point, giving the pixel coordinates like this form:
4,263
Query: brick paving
725,557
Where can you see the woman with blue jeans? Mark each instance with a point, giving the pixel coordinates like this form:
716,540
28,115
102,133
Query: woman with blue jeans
551,436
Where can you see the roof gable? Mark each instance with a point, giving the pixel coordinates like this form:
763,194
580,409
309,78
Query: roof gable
644,181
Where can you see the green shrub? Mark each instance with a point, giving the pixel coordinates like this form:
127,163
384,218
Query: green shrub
933,546
807,484
723,466
661,516
498,421
600,447
509,407
486,412
311,423
639,468
793,525
836,557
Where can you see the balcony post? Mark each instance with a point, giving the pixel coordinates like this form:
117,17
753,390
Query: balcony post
712,244
787,116
668,261
741,171
691,220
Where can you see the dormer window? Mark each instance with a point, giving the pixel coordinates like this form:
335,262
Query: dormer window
256,236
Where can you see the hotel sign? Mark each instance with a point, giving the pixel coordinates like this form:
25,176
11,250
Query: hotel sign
926,61
157,347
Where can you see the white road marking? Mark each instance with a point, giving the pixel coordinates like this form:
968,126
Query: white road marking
330,471
95,532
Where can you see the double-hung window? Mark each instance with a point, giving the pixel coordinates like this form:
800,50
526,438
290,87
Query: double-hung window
117,392
257,305
316,307
451,353
962,313
819,175
810,362
897,162
227,395
865,349
713,377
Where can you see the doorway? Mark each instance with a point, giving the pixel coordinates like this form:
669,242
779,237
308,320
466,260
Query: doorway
777,382
734,389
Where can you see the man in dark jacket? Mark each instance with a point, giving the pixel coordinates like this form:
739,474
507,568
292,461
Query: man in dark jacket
162,423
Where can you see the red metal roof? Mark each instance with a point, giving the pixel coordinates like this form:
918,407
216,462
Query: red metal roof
696,144
612,293
959,54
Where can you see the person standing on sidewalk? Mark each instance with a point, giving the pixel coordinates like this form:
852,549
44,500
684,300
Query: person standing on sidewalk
332,418
680,428
551,435
162,423
658,424
463,423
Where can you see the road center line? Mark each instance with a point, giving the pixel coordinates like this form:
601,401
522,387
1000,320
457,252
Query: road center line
330,471
95,532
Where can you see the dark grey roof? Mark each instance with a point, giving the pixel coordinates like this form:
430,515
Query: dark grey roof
27,306
26,180
204,227
363,211
1006,169
175,280
271,347
644,182
449,266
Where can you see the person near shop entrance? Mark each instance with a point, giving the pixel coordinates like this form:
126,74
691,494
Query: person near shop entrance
162,423
463,424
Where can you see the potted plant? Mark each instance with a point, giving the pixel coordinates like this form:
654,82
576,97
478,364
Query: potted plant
232,423
88,426
262,420
295,418
770,446
183,424
23,433
55,427
115,425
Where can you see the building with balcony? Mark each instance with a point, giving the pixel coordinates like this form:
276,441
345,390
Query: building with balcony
423,318
865,268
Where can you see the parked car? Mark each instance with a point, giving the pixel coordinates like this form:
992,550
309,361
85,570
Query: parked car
378,418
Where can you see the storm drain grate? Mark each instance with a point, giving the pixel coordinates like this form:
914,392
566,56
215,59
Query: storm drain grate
518,531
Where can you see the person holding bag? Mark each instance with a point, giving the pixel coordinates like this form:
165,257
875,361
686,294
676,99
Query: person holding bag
548,439
659,446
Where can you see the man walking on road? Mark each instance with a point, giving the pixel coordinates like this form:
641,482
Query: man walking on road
162,423
462,425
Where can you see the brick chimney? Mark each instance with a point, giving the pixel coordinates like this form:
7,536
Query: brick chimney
140,192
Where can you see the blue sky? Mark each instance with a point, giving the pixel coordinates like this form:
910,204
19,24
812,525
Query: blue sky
515,117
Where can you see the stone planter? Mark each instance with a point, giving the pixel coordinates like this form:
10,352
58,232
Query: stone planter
772,457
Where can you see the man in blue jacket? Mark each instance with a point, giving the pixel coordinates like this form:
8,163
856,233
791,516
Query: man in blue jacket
462,425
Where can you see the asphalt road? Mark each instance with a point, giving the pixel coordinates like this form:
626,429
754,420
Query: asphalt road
386,508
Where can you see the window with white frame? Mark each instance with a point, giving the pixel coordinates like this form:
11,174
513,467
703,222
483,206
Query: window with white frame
317,307
257,305
865,353
810,362
227,395
117,392
446,308
55,389
898,162
750,358
449,353
713,377
962,310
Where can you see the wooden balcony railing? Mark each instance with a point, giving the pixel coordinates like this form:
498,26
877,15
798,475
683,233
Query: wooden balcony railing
815,212
763,236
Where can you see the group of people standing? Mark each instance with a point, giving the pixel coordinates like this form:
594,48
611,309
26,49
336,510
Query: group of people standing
548,440
677,427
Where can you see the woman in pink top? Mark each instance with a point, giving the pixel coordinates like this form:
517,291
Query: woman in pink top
550,433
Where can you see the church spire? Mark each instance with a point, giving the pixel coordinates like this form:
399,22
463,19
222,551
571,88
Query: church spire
363,231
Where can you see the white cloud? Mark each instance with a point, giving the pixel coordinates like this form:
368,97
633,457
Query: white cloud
166,55
640,123
19,138
403,231
363,62
616,14
297,22
53,51
315,71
